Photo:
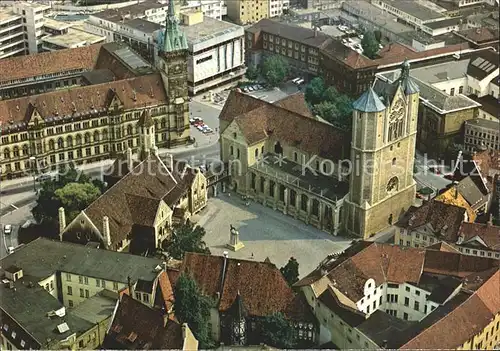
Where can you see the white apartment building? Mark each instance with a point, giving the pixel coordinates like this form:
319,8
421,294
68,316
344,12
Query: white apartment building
11,34
33,19
210,8
276,7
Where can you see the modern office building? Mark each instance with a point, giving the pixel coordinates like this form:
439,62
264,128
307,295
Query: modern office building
249,11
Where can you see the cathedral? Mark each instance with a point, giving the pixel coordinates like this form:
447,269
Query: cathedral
280,155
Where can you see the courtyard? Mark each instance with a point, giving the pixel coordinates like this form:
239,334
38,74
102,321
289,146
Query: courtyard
265,233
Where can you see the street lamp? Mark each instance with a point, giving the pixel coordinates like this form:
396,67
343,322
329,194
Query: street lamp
33,165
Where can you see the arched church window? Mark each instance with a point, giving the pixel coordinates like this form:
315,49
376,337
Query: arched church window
392,185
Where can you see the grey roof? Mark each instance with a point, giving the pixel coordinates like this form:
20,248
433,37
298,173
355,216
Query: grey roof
415,9
485,123
381,327
296,33
43,257
29,305
483,63
473,191
96,308
99,76
208,29
143,25
442,71
369,102
444,23
430,95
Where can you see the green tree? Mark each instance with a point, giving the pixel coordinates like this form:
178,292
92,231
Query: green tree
252,72
314,91
326,110
276,331
193,308
185,238
275,70
370,45
378,35
291,271
75,197
48,203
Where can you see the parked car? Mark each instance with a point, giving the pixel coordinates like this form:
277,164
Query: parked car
295,80
344,41
7,229
200,128
192,121
361,36
10,249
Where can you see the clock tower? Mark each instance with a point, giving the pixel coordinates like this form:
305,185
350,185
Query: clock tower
171,59
382,155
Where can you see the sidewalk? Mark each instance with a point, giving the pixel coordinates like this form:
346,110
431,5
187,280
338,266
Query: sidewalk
12,183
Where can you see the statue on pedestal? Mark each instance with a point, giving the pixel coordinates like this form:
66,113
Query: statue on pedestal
234,239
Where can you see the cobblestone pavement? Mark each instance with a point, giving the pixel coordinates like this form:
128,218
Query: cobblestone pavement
266,233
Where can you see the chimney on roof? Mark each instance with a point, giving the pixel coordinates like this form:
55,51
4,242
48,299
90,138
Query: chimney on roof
130,287
456,192
62,222
106,233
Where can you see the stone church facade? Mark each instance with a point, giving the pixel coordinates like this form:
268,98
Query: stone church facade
282,156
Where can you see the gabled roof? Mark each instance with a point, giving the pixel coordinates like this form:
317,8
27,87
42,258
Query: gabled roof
453,197
295,103
488,233
456,264
134,93
145,120
462,323
445,219
137,326
259,120
482,64
442,246
134,199
346,313
261,286
473,190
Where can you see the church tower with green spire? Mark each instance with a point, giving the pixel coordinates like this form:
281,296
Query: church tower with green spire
171,60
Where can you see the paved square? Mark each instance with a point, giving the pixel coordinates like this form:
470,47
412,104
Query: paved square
266,233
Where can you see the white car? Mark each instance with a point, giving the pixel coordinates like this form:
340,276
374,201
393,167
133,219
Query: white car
200,128
361,36
7,229
10,249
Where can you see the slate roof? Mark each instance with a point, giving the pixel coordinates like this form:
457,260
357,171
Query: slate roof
20,67
444,218
43,257
137,326
261,285
29,305
381,327
489,104
482,64
86,100
259,120
473,190
369,102
488,233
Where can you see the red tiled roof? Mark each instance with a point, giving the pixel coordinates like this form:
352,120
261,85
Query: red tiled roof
488,161
461,324
49,62
456,264
261,285
488,233
442,246
166,290
261,120
133,93
295,103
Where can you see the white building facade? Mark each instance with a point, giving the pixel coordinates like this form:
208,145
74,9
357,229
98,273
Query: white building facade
11,34
33,18
277,7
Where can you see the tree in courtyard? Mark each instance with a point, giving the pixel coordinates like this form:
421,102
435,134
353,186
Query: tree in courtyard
252,72
73,198
185,237
291,271
193,308
276,331
275,70
370,45
314,91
